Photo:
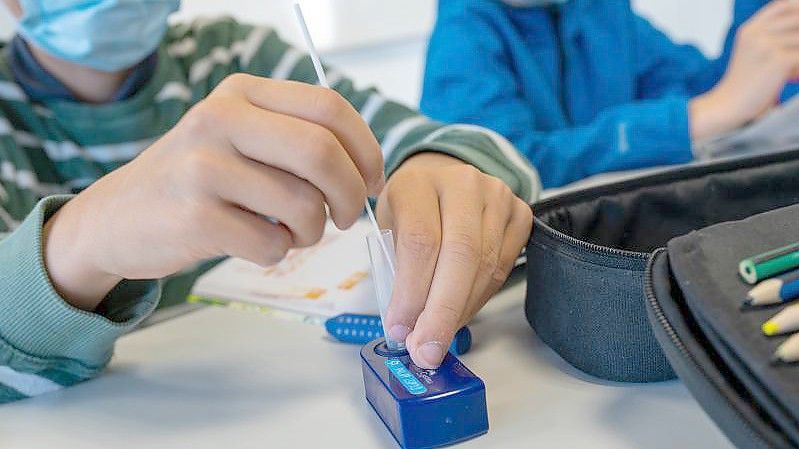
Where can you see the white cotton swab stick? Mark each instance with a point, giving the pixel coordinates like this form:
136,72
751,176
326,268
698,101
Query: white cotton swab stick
320,73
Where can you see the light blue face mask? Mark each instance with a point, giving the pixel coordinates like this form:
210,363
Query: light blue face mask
106,35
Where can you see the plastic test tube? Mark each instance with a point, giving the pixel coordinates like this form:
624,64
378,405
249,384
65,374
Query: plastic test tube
383,275
380,242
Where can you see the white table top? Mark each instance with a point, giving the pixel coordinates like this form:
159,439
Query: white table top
219,378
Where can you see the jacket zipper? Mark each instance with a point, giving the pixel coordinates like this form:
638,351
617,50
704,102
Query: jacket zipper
560,80
654,305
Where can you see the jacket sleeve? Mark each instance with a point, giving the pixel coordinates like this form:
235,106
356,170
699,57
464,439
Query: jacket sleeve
668,68
46,344
469,79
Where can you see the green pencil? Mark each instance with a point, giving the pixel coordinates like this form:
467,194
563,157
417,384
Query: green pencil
763,266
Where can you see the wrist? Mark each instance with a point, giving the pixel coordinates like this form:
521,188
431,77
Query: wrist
706,118
69,257
714,113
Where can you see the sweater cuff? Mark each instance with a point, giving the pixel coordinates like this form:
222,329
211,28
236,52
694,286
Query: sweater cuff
488,151
38,325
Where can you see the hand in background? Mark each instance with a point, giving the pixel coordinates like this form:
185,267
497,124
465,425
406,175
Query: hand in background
765,57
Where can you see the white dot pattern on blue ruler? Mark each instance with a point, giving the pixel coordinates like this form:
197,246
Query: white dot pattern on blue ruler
357,328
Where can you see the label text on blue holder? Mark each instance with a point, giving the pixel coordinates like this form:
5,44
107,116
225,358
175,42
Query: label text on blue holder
406,377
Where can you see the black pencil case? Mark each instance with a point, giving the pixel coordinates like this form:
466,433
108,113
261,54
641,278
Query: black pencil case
637,281
589,250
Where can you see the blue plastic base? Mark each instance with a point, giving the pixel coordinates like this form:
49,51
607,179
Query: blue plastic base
424,409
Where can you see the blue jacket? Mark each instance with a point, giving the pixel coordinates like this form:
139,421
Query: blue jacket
586,88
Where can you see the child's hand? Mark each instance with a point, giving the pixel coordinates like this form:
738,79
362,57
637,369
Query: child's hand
765,57
254,148
458,234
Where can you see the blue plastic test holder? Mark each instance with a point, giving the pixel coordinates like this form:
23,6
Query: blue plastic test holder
423,409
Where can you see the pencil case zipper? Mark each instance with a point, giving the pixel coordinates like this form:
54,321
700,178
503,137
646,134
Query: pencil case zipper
668,175
589,247
677,343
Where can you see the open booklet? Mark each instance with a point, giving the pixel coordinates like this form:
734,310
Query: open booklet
776,131
321,281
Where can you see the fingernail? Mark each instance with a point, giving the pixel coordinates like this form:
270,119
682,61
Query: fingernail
431,354
399,332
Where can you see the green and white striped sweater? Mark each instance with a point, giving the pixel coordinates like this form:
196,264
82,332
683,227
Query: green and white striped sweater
56,148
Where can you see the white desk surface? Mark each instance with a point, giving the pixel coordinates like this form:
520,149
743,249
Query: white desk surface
219,378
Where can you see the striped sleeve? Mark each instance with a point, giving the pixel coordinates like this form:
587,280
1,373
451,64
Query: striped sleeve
403,132
211,50
46,344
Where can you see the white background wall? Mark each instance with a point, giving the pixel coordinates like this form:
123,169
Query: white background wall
381,42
